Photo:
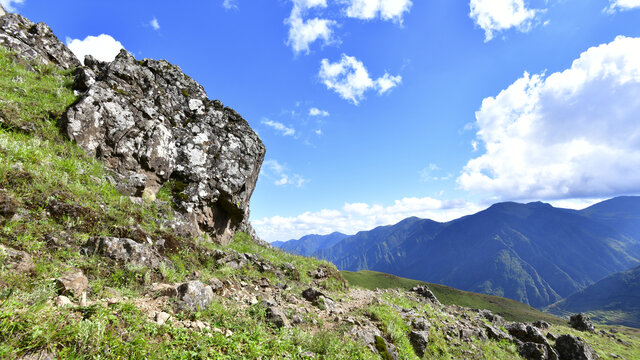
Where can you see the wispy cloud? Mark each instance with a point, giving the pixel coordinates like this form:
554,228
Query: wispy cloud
386,9
275,170
350,79
303,32
286,131
154,24
622,5
9,4
230,4
317,112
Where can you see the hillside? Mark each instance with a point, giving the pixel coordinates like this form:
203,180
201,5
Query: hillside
612,300
533,253
96,263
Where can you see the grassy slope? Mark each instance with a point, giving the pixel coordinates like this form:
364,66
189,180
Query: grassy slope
509,309
62,198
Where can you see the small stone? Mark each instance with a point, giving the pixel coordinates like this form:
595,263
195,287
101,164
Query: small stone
419,340
277,317
162,317
72,284
62,301
194,295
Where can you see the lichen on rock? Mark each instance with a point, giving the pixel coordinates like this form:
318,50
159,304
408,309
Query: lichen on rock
154,126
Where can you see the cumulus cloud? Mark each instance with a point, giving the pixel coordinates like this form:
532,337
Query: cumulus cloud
355,217
286,131
318,112
230,4
280,174
9,4
386,9
304,32
102,47
350,79
572,134
499,15
154,24
622,5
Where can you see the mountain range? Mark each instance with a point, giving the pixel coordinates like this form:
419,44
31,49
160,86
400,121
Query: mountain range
534,253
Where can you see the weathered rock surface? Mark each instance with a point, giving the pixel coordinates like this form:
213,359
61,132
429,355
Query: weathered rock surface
152,124
419,340
573,348
533,351
424,291
277,317
34,41
581,322
194,296
125,251
72,284
17,260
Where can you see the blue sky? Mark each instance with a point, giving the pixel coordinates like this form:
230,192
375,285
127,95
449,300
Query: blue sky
375,110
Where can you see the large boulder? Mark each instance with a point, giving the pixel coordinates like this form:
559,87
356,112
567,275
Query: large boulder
125,251
581,322
194,296
155,126
573,348
35,42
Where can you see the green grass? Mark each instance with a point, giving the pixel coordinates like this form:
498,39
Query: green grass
509,309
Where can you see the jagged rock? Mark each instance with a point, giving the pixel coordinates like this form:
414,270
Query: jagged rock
216,285
194,296
533,351
572,348
496,334
424,291
542,325
16,260
493,318
151,124
419,340
34,42
420,323
72,284
551,336
526,333
312,294
125,251
581,322
277,317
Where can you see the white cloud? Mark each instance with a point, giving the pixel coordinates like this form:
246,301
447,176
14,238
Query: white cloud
499,15
572,134
318,132
622,5
274,170
102,47
8,4
355,217
387,9
286,131
350,79
230,4
318,112
303,33
154,24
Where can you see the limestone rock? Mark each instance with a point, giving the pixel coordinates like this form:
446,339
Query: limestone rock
72,284
62,301
581,322
162,317
34,41
494,318
194,296
572,348
125,251
152,124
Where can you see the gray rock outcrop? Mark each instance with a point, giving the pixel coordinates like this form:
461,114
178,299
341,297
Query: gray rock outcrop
72,284
194,296
581,322
35,42
573,348
154,126
125,251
